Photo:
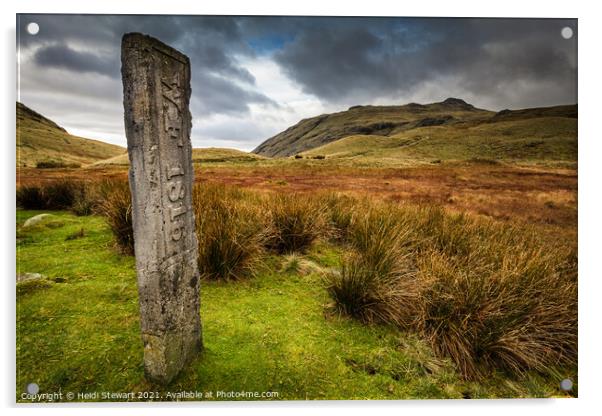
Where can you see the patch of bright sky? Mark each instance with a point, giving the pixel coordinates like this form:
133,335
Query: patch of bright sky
263,121
267,44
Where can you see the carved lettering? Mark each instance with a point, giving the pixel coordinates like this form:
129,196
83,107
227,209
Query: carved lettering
177,231
172,90
175,170
176,191
178,210
172,95
156,80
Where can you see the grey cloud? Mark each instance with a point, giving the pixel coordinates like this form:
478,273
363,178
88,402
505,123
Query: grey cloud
393,57
233,130
64,57
212,94
209,57
96,30
493,63
210,41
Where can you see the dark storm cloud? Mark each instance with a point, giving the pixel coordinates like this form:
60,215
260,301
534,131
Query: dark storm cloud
74,62
209,41
62,56
223,97
365,58
338,60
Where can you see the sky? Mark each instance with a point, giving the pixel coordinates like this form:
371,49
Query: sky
253,77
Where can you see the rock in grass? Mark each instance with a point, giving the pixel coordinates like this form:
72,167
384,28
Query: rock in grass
27,277
36,220
31,277
31,282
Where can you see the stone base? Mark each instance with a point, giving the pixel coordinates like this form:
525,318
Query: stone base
165,355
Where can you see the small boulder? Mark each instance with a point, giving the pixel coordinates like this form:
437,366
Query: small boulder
25,277
36,220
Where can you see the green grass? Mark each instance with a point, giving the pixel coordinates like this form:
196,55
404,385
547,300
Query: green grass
269,333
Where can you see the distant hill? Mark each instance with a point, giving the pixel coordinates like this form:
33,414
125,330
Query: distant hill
567,111
531,140
368,120
207,155
452,129
41,141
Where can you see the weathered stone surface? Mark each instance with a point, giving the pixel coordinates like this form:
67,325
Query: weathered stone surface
156,88
36,220
26,277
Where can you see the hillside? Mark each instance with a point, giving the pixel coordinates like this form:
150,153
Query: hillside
207,155
529,140
40,140
368,120
450,130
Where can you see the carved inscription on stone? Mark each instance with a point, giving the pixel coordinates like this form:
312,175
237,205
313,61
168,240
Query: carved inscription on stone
156,84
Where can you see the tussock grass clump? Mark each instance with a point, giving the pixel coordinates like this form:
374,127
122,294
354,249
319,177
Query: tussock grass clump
84,203
460,235
30,197
54,164
517,316
296,221
62,194
488,295
296,264
230,230
377,281
115,204
56,195
494,296
340,212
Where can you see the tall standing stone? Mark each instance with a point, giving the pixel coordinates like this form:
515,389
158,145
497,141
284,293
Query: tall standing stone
156,89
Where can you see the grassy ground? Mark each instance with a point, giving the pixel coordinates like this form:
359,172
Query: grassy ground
78,330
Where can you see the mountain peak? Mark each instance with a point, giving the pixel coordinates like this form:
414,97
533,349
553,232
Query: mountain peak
457,102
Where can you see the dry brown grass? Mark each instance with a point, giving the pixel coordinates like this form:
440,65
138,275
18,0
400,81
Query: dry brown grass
377,282
488,295
54,195
295,222
231,231
531,195
115,204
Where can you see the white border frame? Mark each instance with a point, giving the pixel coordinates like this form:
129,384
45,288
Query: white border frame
590,158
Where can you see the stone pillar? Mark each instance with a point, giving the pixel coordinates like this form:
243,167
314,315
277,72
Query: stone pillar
156,94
